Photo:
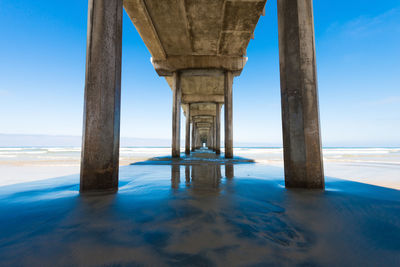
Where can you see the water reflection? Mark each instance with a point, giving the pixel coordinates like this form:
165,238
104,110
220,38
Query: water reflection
229,171
200,176
209,219
202,169
175,176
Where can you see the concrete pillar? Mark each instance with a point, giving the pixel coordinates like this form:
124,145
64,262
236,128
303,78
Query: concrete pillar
300,118
101,119
176,115
187,136
228,115
210,139
218,130
214,133
199,144
193,136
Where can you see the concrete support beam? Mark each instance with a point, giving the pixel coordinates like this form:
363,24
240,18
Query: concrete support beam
300,118
202,113
214,132
197,98
228,115
218,129
187,136
176,115
197,139
101,120
193,136
210,139
166,67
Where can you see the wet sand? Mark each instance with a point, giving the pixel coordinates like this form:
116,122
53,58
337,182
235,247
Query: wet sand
199,214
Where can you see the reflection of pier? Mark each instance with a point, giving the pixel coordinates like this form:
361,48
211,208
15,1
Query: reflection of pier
201,170
199,47
199,177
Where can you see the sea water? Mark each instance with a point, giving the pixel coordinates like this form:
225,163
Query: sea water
378,166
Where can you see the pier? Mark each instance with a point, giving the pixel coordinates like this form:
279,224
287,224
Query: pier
199,47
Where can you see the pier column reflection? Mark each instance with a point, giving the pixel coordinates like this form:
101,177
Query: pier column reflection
229,171
175,176
187,175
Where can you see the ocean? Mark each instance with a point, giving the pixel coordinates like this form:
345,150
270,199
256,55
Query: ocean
377,166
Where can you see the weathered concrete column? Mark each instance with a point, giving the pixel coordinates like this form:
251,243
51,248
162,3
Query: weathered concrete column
300,118
211,138
187,136
176,115
215,133
196,133
101,119
198,139
218,130
228,115
193,136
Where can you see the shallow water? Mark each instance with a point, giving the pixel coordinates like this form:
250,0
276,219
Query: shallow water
210,213
377,166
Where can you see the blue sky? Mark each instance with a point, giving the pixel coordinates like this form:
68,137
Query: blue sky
42,70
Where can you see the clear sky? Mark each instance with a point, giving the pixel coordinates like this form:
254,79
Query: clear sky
42,70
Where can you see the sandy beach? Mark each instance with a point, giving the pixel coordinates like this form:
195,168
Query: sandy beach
375,166
200,213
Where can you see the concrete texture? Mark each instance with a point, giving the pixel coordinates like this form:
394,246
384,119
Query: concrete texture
101,120
187,133
218,129
176,116
299,92
193,136
228,115
198,27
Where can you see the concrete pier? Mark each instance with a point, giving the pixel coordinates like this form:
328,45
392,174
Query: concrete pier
199,52
300,115
228,115
101,120
176,115
203,40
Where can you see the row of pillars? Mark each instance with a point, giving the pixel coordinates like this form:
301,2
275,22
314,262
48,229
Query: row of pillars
300,116
214,135
209,137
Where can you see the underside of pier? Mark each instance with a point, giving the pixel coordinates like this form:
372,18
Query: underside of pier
199,46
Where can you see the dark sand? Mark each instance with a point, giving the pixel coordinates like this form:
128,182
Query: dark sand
193,215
